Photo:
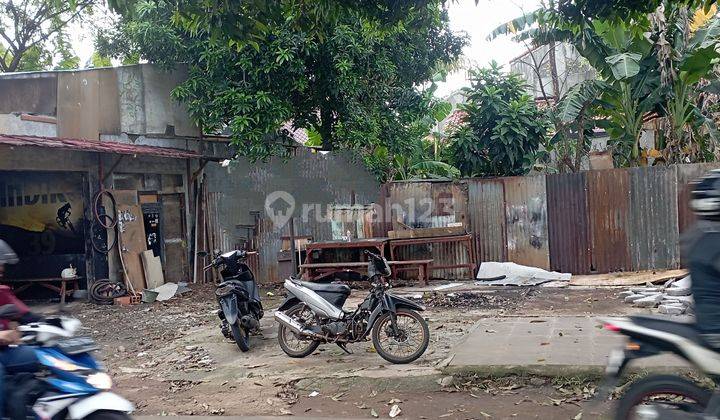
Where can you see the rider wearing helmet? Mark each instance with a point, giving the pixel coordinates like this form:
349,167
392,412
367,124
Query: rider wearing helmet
13,359
702,253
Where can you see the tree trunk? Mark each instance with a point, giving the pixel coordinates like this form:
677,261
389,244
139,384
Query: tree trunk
554,72
327,123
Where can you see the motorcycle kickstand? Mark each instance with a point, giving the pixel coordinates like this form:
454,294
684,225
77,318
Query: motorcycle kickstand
345,349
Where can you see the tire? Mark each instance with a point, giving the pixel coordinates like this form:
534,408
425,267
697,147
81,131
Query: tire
384,322
108,415
659,385
283,330
241,336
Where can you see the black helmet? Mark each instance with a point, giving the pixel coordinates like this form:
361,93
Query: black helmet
705,196
7,255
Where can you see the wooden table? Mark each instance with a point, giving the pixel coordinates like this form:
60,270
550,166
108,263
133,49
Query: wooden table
465,240
373,244
20,285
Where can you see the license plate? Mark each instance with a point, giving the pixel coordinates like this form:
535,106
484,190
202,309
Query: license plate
77,345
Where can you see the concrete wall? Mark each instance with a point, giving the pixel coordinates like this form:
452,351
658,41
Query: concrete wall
312,179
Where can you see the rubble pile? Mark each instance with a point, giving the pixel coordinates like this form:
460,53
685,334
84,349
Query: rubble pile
672,298
460,300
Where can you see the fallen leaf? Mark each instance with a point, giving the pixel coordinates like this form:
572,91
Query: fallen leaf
545,344
486,415
337,397
394,401
373,413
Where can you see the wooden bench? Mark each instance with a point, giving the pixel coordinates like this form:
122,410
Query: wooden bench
326,269
50,283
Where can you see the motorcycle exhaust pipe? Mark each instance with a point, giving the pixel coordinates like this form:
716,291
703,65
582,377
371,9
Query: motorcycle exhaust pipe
294,326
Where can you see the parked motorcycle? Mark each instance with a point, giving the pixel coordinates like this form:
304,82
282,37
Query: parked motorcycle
661,397
312,315
238,296
71,383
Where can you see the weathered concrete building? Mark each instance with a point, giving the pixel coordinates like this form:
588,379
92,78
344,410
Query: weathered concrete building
67,135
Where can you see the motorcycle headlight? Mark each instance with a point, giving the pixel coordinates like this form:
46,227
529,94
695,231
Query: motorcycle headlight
65,365
100,381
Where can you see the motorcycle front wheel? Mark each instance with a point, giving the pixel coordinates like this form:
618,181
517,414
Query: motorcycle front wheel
241,336
108,415
411,341
291,343
661,392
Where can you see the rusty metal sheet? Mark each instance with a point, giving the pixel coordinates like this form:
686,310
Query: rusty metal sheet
653,218
686,174
32,93
410,203
486,211
527,221
608,205
568,223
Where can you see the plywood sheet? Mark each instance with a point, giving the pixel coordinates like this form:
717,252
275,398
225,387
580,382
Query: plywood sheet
173,231
153,270
132,236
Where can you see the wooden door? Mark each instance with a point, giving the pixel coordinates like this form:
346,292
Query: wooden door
173,229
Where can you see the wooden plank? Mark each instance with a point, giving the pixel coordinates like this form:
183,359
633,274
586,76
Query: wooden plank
152,267
627,279
426,232
132,237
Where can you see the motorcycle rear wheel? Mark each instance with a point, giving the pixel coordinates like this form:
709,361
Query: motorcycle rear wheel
241,336
655,390
285,334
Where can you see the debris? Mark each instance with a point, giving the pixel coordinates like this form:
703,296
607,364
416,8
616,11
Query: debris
445,381
314,394
511,274
337,396
447,286
166,292
486,415
395,411
373,413
271,294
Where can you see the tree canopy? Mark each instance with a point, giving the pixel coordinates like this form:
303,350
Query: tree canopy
354,73
33,33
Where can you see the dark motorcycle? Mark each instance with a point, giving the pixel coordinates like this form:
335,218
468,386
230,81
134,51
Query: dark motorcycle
238,296
660,397
312,315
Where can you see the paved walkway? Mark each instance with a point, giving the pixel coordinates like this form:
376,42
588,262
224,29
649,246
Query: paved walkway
557,341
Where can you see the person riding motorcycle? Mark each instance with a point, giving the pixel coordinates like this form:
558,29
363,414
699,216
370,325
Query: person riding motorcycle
702,253
13,359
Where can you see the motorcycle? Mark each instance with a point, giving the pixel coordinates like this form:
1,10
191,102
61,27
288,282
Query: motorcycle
657,396
312,314
238,296
70,384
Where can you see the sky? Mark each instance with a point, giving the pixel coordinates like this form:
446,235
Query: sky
476,20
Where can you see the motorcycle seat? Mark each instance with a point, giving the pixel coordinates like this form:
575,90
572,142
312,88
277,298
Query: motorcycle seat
326,287
682,329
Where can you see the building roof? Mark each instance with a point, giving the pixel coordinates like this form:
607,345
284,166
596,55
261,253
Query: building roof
97,146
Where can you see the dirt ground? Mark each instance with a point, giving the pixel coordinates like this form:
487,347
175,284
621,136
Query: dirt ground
171,359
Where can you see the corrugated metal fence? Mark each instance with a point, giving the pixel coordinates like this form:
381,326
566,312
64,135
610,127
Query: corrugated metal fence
595,221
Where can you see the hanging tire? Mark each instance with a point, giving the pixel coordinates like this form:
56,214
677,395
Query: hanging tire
693,398
410,325
290,343
241,336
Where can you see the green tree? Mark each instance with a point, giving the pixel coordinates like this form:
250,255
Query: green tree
504,129
33,33
355,77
